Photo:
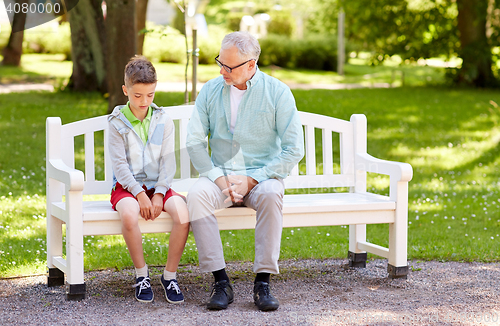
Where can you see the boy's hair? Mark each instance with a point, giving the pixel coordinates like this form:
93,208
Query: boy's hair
247,45
139,70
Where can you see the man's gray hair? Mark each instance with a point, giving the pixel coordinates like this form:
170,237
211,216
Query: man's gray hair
247,45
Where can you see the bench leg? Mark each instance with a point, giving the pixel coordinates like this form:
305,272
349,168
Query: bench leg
398,234
357,259
397,272
54,249
74,248
76,292
55,277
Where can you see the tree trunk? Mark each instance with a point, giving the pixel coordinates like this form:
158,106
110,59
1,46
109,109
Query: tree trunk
121,46
14,49
474,47
88,39
140,20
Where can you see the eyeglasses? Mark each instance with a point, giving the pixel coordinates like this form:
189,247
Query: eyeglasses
227,68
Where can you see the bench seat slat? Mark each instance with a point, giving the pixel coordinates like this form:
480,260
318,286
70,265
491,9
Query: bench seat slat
298,210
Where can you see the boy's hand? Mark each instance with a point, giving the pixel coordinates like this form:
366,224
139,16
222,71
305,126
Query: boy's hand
145,206
157,202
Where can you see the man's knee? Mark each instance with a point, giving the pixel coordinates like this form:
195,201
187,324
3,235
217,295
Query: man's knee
270,192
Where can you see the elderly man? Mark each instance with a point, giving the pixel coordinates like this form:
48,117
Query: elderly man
256,138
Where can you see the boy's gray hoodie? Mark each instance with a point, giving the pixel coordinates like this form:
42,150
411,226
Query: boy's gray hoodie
135,164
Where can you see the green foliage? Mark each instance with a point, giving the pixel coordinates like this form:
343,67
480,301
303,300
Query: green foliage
282,23
315,52
169,45
48,38
399,28
209,44
164,44
277,50
233,21
412,29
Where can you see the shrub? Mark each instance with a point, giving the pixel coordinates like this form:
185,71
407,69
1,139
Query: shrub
317,53
233,21
314,52
281,23
164,44
50,37
209,45
277,50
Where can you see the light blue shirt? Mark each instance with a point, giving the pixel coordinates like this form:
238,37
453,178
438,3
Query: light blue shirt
267,142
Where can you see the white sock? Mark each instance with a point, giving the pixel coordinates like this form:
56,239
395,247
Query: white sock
169,275
141,272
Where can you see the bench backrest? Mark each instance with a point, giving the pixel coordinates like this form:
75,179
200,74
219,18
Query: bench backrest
331,166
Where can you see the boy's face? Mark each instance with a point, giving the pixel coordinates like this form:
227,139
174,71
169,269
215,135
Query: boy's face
140,97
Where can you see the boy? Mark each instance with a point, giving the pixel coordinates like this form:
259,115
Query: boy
141,143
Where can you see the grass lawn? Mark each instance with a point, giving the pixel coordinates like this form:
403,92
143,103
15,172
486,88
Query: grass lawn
450,136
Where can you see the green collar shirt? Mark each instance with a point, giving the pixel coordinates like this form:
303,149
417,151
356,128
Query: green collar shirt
141,128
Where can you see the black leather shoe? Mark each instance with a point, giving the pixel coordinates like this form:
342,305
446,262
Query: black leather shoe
263,298
221,296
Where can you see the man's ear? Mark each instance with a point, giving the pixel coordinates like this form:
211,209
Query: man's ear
124,90
251,65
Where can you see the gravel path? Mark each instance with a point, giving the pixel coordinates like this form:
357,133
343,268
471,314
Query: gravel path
311,292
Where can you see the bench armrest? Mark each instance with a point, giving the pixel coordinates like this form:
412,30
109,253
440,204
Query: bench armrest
72,178
401,172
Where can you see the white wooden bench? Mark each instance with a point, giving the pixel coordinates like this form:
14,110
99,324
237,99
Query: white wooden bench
356,208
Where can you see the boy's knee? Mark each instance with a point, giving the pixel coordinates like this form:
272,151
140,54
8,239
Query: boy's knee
129,218
129,221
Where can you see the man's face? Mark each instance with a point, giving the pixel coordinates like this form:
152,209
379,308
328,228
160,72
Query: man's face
239,76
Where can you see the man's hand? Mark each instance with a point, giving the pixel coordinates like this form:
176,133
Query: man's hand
157,202
145,206
235,187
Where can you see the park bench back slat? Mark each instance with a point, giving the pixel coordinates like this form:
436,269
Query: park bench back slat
309,179
341,163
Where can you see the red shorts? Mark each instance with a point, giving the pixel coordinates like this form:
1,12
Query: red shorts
118,193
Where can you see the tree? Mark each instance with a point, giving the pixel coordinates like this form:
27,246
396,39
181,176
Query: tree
475,49
14,49
140,21
121,37
416,29
101,47
88,39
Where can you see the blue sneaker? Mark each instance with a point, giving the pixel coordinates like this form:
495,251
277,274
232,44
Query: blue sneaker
172,291
143,291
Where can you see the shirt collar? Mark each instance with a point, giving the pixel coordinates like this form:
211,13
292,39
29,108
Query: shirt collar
131,117
255,78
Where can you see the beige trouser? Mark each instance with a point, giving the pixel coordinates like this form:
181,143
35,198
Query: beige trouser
266,198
